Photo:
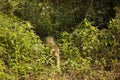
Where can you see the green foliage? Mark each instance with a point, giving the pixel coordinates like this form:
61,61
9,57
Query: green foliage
85,51
95,46
21,50
72,61
86,37
49,16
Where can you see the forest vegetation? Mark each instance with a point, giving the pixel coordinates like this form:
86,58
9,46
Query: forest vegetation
86,35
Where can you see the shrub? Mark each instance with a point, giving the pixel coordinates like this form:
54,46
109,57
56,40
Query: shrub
21,52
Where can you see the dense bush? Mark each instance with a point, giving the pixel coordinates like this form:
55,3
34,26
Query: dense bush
21,51
80,53
86,52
